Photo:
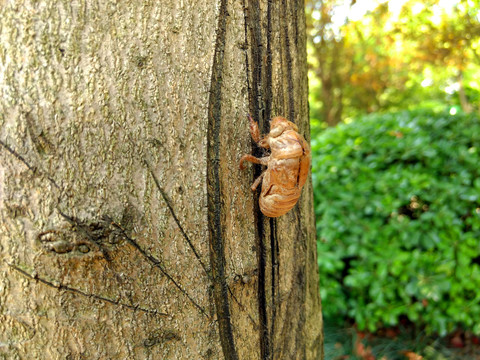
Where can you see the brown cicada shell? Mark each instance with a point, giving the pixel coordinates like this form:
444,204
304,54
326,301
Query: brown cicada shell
287,166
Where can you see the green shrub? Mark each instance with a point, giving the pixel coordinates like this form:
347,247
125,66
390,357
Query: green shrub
397,199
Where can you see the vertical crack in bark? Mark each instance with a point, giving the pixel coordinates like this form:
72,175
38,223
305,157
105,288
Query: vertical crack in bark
256,97
275,277
260,105
265,341
288,57
217,251
268,68
256,107
273,222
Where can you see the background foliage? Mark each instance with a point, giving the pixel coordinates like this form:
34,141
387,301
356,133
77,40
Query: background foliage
398,217
397,192
391,58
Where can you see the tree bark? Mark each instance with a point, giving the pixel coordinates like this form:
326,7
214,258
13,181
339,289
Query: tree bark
127,230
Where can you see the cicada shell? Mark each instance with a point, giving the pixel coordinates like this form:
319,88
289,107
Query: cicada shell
287,166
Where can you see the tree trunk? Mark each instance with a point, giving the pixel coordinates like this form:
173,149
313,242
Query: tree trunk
127,230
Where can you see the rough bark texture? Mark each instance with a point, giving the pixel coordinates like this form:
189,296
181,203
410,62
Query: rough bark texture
127,230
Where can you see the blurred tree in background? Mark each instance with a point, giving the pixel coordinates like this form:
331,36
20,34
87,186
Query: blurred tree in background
370,56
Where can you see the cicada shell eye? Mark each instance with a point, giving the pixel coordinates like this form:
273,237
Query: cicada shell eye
277,131
278,121
277,126
293,126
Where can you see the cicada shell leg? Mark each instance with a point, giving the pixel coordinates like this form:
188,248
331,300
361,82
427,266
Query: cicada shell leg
257,181
253,159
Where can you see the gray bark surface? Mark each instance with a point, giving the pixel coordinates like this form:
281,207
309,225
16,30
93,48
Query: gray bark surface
127,230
